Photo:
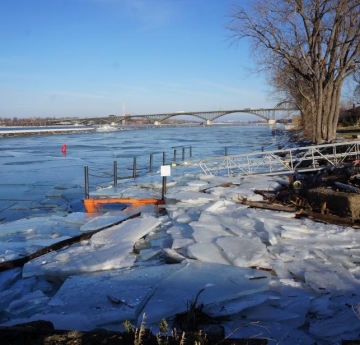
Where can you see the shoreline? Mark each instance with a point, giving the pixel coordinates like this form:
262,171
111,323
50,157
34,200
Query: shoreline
26,132
40,131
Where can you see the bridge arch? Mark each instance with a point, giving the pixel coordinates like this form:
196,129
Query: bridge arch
267,114
209,116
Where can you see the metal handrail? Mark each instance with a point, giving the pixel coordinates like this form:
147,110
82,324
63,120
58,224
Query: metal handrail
300,159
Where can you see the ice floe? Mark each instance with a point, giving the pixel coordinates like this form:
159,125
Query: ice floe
272,276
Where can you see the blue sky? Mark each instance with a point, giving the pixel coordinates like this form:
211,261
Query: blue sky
97,57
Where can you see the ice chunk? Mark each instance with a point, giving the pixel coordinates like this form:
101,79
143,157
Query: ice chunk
7,296
22,225
106,298
331,277
219,206
298,307
194,198
179,243
81,260
198,183
149,254
266,312
235,226
130,230
336,325
103,221
210,283
180,231
244,252
207,252
208,232
27,305
171,256
234,306
189,216
8,277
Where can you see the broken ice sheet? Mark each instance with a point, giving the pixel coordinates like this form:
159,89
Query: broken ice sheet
81,259
244,251
193,198
206,252
27,305
107,249
103,221
234,306
8,277
220,283
336,326
131,230
109,297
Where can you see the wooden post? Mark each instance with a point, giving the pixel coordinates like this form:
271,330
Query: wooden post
134,167
163,188
151,163
86,170
115,173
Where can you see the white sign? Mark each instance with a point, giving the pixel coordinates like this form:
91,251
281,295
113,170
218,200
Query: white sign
165,170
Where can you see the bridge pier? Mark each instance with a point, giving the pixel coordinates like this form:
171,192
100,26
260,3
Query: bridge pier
208,122
271,122
157,123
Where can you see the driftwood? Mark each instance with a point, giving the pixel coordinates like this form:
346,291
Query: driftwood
324,218
347,187
335,177
56,246
266,205
266,194
327,218
224,185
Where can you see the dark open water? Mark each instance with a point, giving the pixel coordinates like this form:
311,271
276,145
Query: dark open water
36,177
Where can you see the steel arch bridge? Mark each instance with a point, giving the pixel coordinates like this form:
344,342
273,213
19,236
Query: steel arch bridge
267,114
210,116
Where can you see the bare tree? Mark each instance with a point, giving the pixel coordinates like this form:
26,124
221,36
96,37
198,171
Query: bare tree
356,93
310,47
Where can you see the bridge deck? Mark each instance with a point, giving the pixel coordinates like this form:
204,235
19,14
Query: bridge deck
209,116
309,158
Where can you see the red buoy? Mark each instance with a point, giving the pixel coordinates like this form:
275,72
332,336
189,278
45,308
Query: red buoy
63,149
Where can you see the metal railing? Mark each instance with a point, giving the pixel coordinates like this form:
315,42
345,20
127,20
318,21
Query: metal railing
136,169
300,159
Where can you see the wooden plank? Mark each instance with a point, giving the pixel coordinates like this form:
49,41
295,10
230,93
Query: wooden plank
327,218
266,205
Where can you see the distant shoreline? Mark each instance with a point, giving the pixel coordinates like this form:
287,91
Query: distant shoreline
9,132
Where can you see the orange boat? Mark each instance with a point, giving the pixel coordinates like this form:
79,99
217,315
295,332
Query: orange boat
103,204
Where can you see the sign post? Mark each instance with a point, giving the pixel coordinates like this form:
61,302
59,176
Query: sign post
165,171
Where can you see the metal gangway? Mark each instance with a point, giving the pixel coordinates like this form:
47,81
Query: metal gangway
286,161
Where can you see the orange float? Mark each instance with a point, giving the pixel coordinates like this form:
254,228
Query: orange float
98,205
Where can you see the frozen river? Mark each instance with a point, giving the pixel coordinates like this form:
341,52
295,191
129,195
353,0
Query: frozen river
36,177
268,275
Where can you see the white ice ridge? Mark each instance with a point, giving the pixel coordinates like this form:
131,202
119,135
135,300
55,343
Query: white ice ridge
271,275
